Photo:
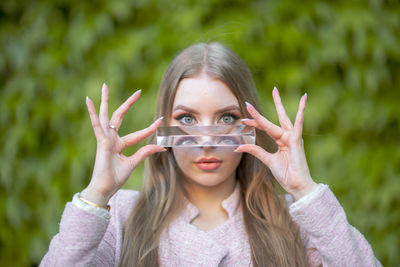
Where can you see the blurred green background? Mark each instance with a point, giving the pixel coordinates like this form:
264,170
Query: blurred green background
344,54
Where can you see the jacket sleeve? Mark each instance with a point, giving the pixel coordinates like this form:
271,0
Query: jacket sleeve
85,237
329,238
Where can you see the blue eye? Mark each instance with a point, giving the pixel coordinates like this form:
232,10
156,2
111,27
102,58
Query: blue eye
185,119
188,120
228,118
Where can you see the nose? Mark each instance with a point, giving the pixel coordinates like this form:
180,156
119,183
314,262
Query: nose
206,142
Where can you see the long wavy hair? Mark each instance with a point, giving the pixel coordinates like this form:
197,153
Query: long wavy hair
273,237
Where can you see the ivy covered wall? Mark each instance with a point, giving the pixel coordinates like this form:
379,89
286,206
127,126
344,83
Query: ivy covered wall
344,54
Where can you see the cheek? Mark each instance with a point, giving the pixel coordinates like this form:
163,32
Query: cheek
183,157
232,159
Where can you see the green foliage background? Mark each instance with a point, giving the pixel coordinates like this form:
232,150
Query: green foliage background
344,54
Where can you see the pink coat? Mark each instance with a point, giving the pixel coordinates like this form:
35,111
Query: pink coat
90,236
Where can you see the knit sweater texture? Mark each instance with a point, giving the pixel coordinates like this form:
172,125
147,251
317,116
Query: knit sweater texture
90,236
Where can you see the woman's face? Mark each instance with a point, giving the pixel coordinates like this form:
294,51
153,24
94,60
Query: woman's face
204,101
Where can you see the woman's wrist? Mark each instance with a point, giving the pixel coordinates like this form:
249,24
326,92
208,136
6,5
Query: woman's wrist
304,190
94,197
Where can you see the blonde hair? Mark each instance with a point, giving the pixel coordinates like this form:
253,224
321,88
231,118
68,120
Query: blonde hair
273,237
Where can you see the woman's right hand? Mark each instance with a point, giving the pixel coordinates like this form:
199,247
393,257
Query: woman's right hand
112,169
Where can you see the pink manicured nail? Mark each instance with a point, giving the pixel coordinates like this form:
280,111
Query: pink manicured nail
248,104
136,92
157,120
103,88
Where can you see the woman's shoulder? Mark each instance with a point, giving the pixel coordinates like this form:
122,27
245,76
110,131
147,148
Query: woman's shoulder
127,195
124,198
122,203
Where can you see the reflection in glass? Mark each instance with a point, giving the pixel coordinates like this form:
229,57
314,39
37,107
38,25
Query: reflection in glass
195,136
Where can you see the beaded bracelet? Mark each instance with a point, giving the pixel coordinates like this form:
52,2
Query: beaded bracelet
94,204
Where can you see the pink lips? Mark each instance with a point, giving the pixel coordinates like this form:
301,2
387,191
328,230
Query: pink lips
208,164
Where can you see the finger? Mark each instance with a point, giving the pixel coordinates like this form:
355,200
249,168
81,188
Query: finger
272,130
282,116
256,151
253,123
103,114
138,136
298,124
118,115
98,131
143,153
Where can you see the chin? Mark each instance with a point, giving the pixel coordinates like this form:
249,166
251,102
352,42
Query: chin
207,180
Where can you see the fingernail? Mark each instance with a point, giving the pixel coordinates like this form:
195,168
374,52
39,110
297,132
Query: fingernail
137,92
158,119
245,119
275,88
87,98
102,88
248,104
305,94
236,150
164,150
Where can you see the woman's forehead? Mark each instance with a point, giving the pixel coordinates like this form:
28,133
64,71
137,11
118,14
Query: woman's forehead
204,92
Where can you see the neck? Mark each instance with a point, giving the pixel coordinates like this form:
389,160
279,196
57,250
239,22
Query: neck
208,199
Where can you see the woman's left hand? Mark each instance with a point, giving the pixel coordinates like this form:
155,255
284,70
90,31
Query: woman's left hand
288,164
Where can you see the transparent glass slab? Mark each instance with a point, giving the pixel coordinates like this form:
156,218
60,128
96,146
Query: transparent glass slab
199,136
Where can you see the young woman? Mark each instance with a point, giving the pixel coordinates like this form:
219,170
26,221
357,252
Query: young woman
205,206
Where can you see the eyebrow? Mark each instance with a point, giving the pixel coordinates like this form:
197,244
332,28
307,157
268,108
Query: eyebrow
228,108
